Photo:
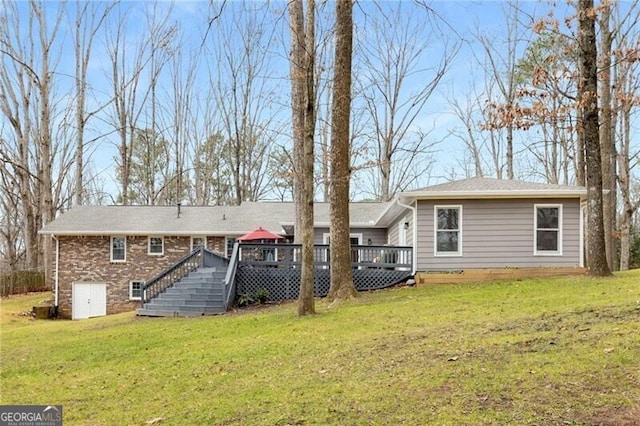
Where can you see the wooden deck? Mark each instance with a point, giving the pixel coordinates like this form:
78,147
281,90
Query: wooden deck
470,275
276,268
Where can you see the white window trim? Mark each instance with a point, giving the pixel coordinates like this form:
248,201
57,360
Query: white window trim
203,237
435,231
325,240
149,252
537,252
131,297
111,249
358,235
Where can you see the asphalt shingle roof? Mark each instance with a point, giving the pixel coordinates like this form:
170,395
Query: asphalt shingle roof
492,186
275,216
194,220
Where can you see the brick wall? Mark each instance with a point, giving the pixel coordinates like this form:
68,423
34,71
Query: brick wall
87,259
217,245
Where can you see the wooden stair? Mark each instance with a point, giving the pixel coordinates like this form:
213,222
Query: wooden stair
201,292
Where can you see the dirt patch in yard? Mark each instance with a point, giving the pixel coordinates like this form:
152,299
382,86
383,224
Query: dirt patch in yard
617,416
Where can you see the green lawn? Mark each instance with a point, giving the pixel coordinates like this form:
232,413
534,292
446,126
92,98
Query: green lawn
543,351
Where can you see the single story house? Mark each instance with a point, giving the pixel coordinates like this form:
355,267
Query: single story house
107,253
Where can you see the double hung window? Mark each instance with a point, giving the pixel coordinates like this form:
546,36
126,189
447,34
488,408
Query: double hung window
448,230
548,229
156,245
118,249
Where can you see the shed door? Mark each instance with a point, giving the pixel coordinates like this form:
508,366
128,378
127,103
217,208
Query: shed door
89,300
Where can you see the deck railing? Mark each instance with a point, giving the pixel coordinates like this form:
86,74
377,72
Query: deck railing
289,256
198,258
230,278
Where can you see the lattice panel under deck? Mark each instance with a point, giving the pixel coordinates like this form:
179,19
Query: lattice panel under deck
284,284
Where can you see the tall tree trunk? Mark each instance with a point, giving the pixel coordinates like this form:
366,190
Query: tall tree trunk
303,103
509,154
87,24
624,94
342,286
306,304
81,90
588,88
296,69
606,139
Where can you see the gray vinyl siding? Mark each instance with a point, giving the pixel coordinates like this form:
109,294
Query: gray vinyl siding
394,229
498,234
378,235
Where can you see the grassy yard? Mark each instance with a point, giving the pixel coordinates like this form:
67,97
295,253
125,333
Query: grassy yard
548,351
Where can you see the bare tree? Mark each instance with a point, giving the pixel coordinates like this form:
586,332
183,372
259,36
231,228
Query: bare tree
626,88
466,133
342,286
128,96
303,103
88,20
626,85
589,90
501,66
16,85
181,124
11,250
161,33
245,95
607,141
29,59
393,58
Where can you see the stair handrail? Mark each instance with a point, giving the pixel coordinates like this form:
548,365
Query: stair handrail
173,273
230,278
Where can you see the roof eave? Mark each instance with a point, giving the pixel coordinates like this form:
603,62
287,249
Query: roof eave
137,233
371,224
438,195
393,210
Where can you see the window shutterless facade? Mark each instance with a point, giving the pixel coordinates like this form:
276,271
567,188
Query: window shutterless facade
197,242
448,230
156,245
118,249
548,229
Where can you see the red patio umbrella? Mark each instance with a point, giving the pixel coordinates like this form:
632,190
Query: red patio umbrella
260,234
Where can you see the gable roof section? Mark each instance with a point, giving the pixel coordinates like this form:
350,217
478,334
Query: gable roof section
480,187
195,220
158,220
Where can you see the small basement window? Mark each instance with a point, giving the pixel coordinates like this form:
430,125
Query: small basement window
156,245
135,290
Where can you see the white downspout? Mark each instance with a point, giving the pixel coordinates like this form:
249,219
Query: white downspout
56,276
583,209
415,234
